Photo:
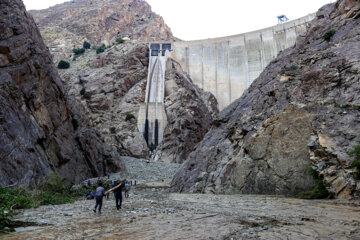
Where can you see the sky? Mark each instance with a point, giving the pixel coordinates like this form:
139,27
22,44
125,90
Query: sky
202,19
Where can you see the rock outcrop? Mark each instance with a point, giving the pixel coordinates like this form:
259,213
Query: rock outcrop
111,86
38,128
190,112
302,112
65,26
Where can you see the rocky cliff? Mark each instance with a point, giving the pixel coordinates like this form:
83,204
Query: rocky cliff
66,26
111,86
41,130
301,113
189,111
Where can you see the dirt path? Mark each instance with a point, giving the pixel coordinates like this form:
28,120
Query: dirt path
154,213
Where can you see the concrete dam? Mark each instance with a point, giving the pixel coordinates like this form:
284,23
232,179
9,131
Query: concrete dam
227,66
224,66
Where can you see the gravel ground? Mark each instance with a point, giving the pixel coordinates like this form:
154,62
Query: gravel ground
152,212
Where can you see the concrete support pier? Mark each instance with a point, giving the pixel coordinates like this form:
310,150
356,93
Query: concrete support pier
152,118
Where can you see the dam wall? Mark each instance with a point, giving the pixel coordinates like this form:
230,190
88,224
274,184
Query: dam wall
227,66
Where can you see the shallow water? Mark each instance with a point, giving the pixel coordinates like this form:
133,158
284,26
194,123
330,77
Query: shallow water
153,213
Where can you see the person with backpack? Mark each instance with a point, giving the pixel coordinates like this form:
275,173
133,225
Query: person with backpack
100,192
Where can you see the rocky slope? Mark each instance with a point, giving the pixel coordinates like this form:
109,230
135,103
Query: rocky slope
39,132
65,26
302,112
190,112
115,84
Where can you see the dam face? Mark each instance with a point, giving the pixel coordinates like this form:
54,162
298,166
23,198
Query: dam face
227,66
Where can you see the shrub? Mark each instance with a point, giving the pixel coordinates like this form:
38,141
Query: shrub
87,95
319,191
5,220
129,116
100,49
356,163
328,35
103,91
63,64
52,191
152,147
82,91
119,40
86,45
74,123
78,51
112,130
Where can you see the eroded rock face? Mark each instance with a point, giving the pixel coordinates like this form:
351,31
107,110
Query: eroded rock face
113,85
116,82
65,26
189,111
37,134
302,111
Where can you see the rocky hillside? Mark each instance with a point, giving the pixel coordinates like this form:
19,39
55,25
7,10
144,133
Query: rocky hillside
190,112
39,130
111,86
301,113
66,26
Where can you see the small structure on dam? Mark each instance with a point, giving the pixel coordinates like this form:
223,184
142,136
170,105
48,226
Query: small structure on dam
152,118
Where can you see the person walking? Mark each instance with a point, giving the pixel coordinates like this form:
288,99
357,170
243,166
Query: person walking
127,189
100,192
118,194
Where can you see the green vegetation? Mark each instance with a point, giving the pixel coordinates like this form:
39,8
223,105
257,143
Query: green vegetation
356,163
152,147
119,40
75,123
328,35
103,91
82,91
319,191
78,51
63,64
86,45
129,116
53,191
112,130
100,49
87,95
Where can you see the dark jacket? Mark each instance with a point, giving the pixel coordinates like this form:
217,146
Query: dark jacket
118,191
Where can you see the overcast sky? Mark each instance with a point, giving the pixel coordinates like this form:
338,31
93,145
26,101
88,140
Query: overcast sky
201,19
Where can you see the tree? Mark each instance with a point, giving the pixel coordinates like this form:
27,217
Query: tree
86,45
63,64
78,51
